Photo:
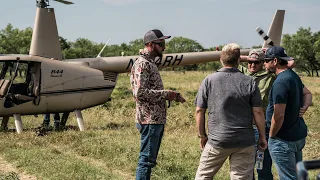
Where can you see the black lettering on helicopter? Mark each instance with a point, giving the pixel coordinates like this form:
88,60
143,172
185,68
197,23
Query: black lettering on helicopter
167,61
158,62
131,62
56,73
177,59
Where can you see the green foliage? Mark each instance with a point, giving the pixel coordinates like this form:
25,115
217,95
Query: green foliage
15,41
181,45
304,46
82,48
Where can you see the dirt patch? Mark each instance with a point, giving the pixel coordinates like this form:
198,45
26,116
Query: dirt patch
6,167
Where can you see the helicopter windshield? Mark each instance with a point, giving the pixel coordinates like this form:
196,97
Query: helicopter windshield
11,69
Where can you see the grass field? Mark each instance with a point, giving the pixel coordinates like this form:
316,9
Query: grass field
108,149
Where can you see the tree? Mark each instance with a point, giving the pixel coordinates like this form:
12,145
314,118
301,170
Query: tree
304,46
181,45
15,41
64,44
82,48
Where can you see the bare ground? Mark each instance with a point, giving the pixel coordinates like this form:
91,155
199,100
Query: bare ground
6,167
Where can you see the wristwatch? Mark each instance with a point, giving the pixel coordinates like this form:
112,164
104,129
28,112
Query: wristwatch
202,136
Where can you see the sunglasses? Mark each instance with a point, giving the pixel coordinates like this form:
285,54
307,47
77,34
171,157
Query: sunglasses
268,59
161,44
254,62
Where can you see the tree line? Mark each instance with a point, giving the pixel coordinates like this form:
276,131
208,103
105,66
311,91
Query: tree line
304,46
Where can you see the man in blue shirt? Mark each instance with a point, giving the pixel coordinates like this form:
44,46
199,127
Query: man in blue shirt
288,101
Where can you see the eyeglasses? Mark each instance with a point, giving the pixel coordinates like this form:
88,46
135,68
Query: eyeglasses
268,59
161,44
254,62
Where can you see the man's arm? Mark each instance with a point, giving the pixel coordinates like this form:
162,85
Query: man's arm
259,120
201,126
280,98
141,84
277,119
260,123
200,119
307,101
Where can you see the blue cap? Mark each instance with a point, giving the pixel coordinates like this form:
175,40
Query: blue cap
278,52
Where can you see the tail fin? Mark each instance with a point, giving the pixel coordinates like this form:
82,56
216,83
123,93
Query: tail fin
275,30
45,38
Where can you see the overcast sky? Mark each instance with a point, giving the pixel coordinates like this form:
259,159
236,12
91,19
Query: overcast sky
210,22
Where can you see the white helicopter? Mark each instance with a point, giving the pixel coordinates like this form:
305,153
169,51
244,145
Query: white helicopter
53,86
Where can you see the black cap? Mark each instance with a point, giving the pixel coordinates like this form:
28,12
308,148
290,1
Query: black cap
278,52
154,35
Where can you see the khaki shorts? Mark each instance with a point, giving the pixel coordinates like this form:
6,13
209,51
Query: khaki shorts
241,162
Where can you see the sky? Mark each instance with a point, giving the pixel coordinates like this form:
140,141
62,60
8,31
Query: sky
209,22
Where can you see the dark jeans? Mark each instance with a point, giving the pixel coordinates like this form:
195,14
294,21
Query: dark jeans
151,136
56,117
285,155
266,172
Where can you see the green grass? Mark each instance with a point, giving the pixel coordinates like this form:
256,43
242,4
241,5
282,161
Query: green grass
9,176
109,147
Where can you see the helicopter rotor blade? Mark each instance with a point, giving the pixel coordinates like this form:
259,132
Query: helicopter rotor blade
64,1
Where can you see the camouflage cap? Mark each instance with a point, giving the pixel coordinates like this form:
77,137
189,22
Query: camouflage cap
256,55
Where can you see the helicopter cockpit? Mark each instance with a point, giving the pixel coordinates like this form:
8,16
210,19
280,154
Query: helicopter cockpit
19,82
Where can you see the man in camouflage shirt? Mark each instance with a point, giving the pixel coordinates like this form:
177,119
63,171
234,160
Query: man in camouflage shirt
264,79
150,97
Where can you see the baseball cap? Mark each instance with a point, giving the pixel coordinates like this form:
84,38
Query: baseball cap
154,35
278,52
256,55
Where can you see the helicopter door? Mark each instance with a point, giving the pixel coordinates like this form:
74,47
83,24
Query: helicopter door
24,88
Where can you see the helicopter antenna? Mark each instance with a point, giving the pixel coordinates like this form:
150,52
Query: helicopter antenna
99,55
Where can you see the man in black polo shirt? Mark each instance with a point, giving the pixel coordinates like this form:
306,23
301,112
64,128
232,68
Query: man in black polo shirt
288,100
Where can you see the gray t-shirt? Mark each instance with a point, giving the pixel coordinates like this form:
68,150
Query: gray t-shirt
229,97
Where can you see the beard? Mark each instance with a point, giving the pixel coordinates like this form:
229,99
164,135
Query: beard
159,54
270,70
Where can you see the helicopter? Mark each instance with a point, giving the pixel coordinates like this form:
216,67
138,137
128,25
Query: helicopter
53,85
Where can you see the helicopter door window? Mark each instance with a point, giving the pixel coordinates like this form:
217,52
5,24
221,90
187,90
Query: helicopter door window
34,76
19,85
5,78
24,86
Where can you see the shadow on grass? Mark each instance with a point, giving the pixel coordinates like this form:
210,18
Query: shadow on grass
113,126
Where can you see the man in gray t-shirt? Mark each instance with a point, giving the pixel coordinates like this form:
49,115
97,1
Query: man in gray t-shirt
233,100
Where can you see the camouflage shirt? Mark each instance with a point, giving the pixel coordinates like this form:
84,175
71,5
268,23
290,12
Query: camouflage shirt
148,91
264,80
